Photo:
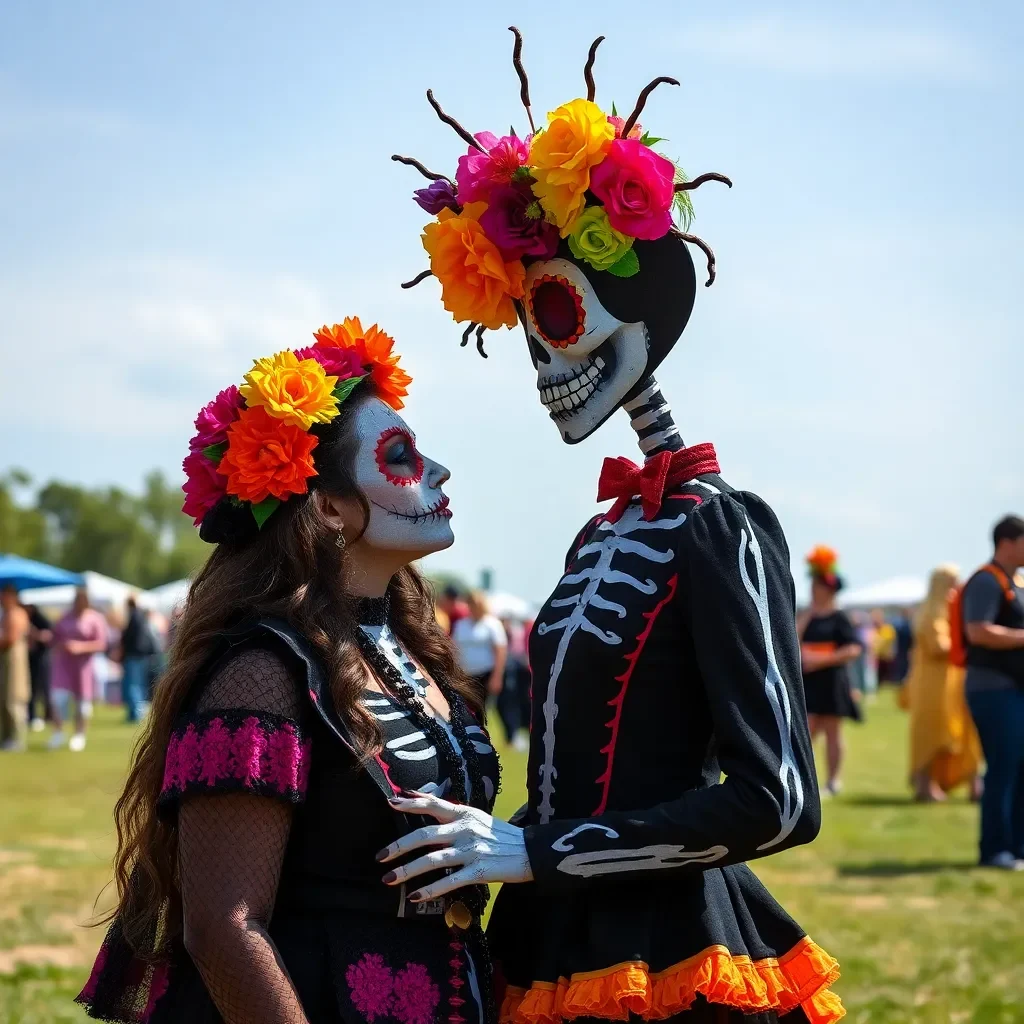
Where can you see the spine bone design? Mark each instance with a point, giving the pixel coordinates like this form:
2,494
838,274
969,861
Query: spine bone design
613,538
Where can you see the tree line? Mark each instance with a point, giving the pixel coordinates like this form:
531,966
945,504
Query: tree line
143,539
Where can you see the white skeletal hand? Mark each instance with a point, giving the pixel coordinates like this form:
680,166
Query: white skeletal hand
468,842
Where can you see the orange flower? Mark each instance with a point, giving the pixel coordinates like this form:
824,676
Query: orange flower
266,456
823,560
476,283
374,348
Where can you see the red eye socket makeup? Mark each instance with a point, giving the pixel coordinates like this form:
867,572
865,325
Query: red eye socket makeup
397,458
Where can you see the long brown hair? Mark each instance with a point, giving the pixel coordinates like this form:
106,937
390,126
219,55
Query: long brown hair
291,569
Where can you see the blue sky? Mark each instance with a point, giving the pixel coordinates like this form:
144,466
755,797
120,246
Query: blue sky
186,186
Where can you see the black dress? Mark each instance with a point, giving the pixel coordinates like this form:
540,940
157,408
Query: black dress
355,950
666,655
828,689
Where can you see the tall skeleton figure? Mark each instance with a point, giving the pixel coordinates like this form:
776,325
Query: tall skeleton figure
667,654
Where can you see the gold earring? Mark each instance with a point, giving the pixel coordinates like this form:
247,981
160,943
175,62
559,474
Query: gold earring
339,541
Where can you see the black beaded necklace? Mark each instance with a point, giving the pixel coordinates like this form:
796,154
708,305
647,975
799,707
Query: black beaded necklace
475,897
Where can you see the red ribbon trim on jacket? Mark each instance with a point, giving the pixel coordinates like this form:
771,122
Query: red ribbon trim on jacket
623,480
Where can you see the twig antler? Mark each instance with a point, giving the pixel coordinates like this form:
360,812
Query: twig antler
517,63
412,162
687,186
422,276
708,252
642,100
480,340
451,122
588,71
466,333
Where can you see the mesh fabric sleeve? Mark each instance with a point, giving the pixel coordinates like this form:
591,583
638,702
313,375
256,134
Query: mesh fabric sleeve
232,839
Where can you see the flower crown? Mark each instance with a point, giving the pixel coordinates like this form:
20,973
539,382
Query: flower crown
591,178
254,443
823,564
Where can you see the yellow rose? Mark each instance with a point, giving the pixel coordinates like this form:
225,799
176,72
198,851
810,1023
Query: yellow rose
562,155
295,390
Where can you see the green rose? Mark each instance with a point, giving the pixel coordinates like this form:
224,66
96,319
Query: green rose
594,240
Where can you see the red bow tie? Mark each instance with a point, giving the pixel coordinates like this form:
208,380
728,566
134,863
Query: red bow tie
624,480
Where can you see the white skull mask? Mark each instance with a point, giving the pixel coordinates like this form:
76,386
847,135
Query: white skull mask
587,360
408,509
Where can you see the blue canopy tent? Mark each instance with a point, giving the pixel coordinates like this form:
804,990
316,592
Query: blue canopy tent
24,573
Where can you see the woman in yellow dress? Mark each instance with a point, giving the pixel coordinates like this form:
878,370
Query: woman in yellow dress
944,747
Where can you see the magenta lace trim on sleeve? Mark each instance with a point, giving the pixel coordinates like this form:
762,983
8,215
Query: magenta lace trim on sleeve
237,750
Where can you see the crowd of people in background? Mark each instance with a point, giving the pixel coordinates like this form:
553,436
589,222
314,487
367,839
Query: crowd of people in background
958,660
52,669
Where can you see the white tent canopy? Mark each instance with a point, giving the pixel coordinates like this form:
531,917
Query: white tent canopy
166,598
103,590
509,606
898,592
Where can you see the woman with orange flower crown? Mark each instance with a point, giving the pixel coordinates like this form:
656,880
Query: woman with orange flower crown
828,647
308,686
666,654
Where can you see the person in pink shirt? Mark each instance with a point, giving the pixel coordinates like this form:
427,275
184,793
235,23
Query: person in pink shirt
77,637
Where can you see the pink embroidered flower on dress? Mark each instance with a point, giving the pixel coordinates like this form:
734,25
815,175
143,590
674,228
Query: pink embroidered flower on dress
247,749
215,753
416,995
283,756
371,986
187,767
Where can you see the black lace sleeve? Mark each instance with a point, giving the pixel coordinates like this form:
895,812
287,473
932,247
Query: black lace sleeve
247,734
244,744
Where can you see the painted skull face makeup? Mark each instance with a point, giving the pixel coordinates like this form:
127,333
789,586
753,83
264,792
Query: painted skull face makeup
408,509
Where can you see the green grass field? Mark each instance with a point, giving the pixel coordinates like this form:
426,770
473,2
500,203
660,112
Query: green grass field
889,887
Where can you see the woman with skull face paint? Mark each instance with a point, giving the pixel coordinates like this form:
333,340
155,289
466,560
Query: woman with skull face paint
309,685
667,654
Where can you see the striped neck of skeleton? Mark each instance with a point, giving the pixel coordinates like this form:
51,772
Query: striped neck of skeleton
651,418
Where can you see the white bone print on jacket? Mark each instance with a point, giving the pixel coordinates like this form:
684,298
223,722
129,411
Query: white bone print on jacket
775,690
616,538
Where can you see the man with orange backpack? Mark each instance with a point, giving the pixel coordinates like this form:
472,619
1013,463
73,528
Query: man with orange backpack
988,627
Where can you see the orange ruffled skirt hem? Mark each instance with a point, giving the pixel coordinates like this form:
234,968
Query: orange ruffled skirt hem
801,978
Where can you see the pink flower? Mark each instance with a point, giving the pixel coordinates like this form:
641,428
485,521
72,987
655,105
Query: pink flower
416,996
187,767
171,765
247,748
371,986
214,753
478,172
636,187
618,123
305,760
515,223
283,754
337,361
214,419
203,487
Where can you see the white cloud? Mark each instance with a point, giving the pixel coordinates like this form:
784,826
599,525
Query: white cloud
833,49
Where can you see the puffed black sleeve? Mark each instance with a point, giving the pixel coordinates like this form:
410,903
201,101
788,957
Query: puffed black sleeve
737,599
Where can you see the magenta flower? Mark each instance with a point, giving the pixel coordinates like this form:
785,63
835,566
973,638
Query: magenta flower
248,746
437,196
214,419
337,361
371,986
187,769
515,223
479,173
203,487
618,123
283,753
416,995
214,753
636,187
